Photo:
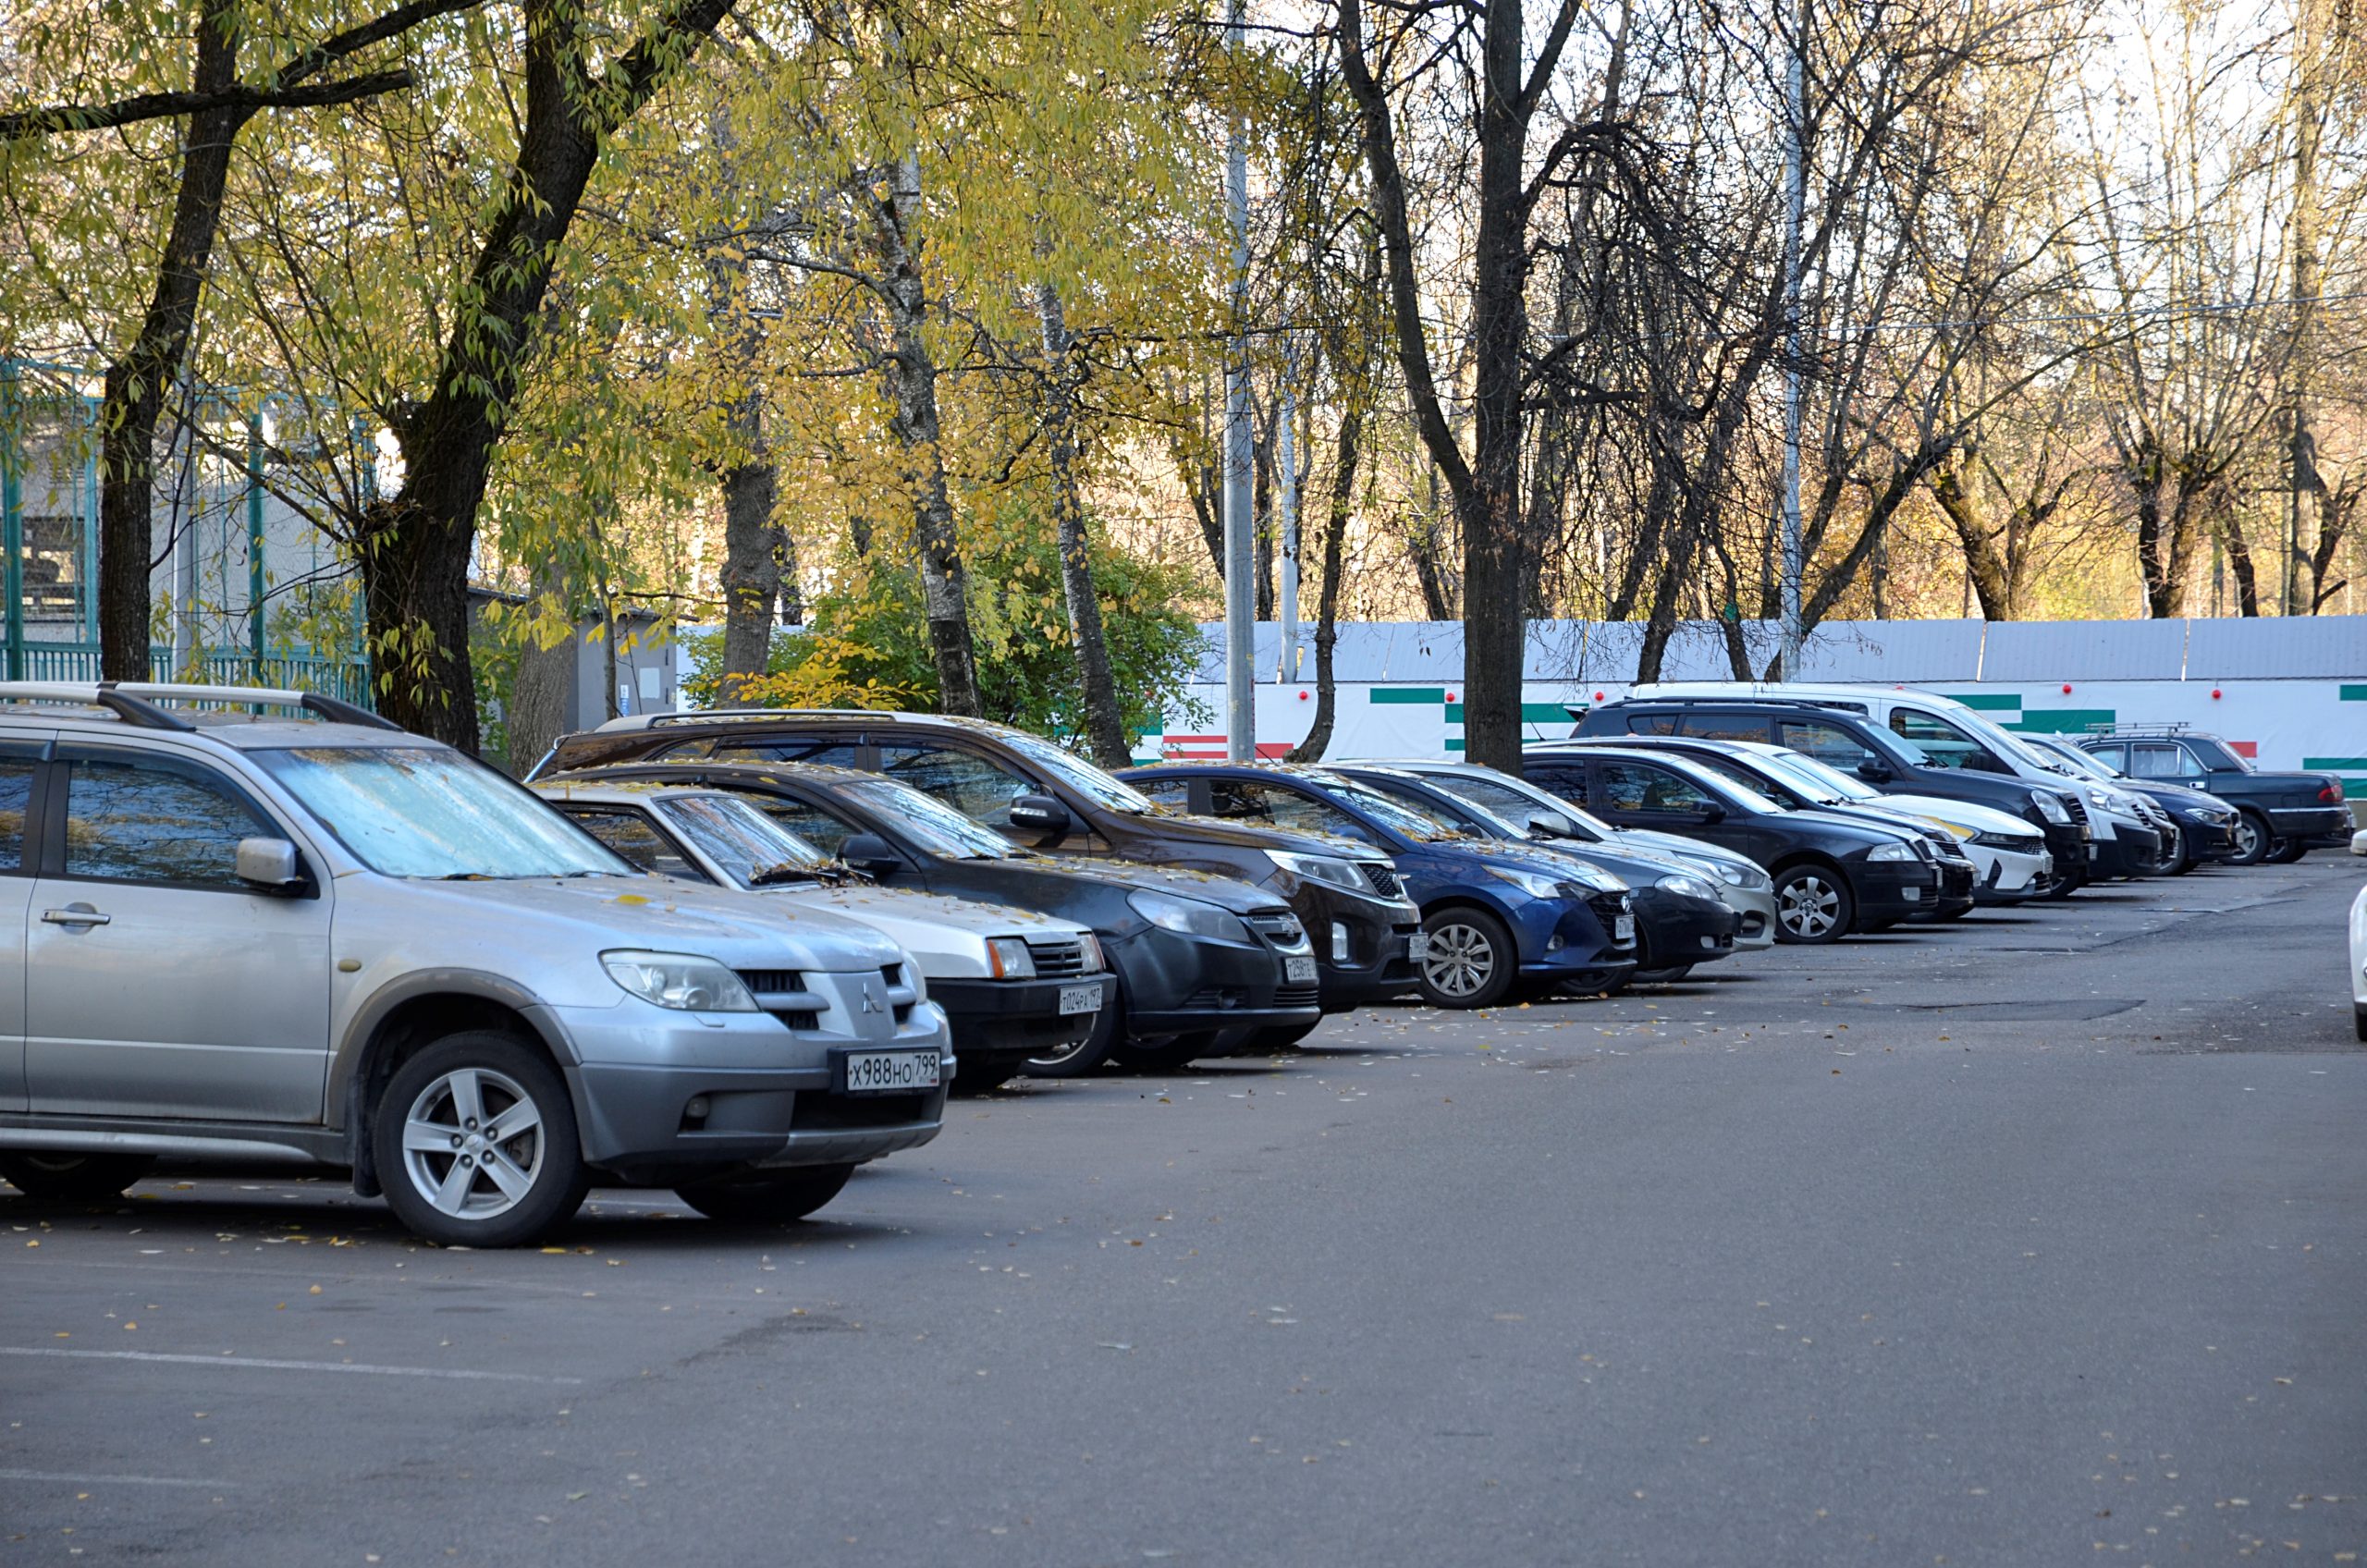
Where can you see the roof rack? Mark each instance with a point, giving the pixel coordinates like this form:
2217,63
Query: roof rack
2166,727
137,703
701,716
1748,699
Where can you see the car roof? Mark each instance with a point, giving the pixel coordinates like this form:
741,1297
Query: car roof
755,717
1315,771
720,772
618,792
95,707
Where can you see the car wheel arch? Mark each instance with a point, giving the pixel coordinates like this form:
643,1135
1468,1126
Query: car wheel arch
412,1014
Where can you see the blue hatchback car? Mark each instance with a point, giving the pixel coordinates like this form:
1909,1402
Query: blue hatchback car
1496,915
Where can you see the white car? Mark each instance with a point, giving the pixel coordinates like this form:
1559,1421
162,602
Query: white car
2359,946
1014,985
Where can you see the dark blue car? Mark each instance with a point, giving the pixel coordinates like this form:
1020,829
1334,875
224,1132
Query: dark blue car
1495,916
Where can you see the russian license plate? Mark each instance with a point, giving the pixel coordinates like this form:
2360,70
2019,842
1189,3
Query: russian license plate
1417,946
1080,998
1623,928
888,1072
1298,969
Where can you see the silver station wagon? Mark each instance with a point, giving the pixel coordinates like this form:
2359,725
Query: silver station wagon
258,924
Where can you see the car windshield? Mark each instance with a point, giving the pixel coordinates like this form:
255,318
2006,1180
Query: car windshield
2217,755
1741,795
1084,777
1466,813
1744,776
1519,799
428,810
933,826
1830,780
1398,816
748,847
2070,757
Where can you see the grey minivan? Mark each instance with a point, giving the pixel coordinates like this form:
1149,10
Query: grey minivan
264,924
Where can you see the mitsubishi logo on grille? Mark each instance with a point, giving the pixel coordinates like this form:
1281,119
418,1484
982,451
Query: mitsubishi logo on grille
871,999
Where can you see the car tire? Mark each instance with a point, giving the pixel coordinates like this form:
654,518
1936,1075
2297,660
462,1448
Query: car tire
1472,962
2284,852
1080,1059
766,1197
2253,841
445,1180
1814,905
74,1177
1168,1053
2359,1021
2061,884
1668,975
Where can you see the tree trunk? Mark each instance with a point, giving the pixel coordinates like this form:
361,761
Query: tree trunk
1326,604
415,547
540,706
751,573
135,385
1991,584
2301,578
1105,727
911,385
2240,560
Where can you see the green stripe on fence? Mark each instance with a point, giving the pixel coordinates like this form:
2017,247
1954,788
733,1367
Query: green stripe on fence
1531,713
1409,694
2354,694
1992,702
2063,721
2333,762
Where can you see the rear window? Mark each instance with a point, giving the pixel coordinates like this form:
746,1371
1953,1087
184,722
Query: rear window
1728,727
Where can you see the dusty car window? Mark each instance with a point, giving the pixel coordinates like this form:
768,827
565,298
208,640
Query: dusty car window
16,789
428,810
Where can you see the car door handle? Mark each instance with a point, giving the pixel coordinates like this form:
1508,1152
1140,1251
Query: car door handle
75,917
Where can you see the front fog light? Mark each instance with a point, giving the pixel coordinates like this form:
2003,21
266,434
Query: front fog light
1339,942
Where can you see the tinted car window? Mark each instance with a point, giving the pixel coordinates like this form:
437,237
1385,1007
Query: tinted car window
783,748
811,823
1827,742
1274,806
1173,793
1628,786
1948,746
135,821
1569,782
633,836
977,787
1726,727
16,790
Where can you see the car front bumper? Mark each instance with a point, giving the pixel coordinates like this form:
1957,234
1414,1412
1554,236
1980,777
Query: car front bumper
1172,984
1958,885
1005,1021
1374,965
1894,889
1754,916
1673,928
2130,851
767,1088
2208,840
2010,876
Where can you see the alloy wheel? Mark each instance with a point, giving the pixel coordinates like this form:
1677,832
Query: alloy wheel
473,1143
1809,906
1461,962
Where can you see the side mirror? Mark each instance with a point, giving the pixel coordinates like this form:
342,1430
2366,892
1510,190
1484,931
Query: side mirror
869,854
1873,770
2358,842
269,866
1714,811
1039,813
1553,825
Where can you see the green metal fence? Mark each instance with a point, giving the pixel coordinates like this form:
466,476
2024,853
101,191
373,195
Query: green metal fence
348,679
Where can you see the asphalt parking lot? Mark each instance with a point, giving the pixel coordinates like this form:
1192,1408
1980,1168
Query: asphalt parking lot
2035,1240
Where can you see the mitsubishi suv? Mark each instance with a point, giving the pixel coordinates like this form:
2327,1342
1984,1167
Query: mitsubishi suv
264,924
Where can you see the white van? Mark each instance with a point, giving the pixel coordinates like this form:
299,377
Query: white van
2127,827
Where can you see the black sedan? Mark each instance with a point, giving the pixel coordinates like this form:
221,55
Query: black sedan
1205,965
1833,876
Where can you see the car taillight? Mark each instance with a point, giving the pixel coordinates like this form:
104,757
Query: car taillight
2332,793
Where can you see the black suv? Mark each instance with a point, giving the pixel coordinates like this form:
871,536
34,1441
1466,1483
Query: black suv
1044,797
2279,816
1856,744
1833,876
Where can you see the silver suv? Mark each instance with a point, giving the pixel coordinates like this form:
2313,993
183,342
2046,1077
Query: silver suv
259,924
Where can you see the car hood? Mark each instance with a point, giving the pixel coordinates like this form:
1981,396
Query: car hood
1965,813
2179,796
652,912
1677,846
1512,856
1217,830
946,935
1229,892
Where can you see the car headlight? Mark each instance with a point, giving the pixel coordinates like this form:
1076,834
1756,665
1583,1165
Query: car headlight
1093,960
1325,869
2102,802
2021,844
2049,807
1009,958
1536,885
1691,887
1890,851
1749,876
680,981
1189,917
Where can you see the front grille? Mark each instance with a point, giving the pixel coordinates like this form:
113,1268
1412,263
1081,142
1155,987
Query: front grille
1297,996
847,1113
2077,807
893,974
1058,959
774,982
1384,877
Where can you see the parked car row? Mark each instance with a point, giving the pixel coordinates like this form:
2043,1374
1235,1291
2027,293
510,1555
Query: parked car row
738,953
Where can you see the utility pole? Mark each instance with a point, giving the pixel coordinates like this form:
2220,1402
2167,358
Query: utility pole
2301,513
1240,552
1796,157
1287,438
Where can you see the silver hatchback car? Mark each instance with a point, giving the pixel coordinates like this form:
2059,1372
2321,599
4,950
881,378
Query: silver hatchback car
261,924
